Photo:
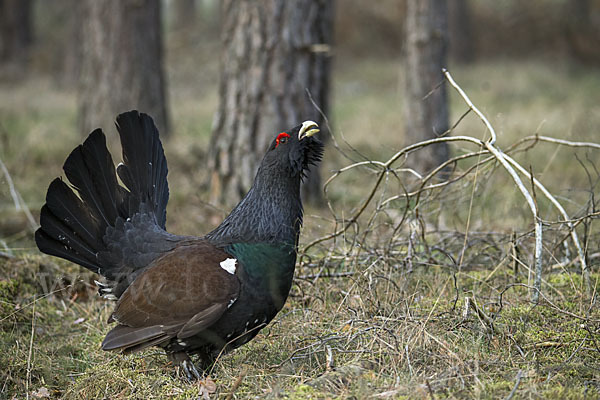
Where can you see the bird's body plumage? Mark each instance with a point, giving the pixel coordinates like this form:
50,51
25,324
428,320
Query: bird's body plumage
189,295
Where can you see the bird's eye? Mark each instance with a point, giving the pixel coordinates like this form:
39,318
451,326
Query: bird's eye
281,138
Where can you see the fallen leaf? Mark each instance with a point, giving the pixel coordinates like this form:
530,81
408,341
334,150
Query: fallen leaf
207,387
41,393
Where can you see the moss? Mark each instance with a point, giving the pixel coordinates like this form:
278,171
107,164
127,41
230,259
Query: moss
558,391
8,293
133,377
302,392
499,386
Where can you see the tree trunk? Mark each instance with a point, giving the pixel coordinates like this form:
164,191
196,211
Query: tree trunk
274,51
460,31
121,66
427,106
15,35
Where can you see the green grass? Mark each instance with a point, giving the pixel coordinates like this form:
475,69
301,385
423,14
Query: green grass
395,326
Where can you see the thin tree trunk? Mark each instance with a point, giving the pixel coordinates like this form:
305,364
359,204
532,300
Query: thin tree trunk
274,51
15,35
121,62
427,106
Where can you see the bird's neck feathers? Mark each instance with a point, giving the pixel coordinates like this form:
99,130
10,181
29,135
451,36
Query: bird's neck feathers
271,211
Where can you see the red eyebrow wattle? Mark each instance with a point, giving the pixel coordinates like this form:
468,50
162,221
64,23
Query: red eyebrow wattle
281,135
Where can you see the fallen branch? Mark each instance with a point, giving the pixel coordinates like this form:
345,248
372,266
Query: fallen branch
384,171
503,159
517,382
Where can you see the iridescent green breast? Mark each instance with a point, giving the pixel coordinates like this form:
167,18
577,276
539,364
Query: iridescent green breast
268,267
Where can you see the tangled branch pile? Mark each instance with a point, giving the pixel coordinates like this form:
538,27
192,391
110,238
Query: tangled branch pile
417,288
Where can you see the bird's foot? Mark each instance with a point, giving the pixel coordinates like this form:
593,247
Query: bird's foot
184,364
190,371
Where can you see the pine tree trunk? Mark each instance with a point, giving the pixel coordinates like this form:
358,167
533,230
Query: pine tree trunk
15,35
427,106
121,66
273,52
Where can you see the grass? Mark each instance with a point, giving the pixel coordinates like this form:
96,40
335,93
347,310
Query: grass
386,319
406,340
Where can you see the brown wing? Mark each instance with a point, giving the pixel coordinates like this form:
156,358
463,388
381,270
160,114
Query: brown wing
180,294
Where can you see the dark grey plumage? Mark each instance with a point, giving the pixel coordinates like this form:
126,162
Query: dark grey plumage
189,295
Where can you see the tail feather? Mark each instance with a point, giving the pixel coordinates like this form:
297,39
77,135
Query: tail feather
91,226
144,168
102,172
49,245
69,208
65,240
82,171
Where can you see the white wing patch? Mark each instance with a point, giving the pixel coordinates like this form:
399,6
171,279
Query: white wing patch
229,265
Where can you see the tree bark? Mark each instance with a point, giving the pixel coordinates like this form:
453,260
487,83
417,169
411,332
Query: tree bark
274,51
121,65
15,34
427,106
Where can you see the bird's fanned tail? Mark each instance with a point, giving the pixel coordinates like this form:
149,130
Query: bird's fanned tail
82,225
144,167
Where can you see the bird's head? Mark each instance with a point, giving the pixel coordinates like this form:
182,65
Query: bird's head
271,211
294,150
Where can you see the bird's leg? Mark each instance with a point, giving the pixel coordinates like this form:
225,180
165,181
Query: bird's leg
183,362
190,370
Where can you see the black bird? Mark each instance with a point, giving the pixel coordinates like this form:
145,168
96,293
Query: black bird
189,295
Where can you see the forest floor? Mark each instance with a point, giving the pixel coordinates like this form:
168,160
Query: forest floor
427,298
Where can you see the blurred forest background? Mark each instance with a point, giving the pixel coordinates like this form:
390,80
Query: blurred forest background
532,67
61,77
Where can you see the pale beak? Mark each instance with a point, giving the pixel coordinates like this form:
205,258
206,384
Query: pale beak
308,129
